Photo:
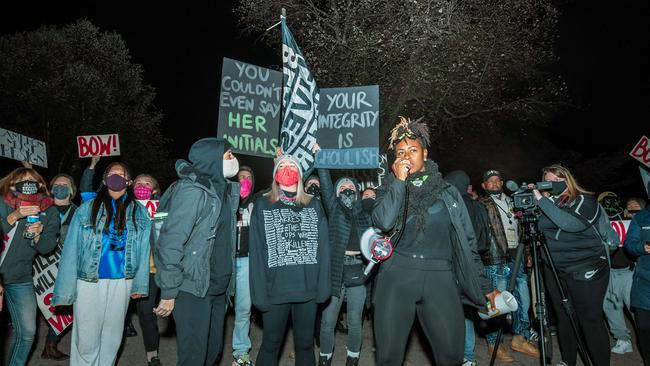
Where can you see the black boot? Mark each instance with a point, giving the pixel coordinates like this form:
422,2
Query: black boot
352,361
129,330
324,361
50,352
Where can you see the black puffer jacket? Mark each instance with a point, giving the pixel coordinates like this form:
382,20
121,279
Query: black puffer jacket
340,223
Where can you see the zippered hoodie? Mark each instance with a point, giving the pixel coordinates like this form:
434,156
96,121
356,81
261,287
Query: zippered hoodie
184,248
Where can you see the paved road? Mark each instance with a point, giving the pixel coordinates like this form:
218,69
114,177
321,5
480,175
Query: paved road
132,352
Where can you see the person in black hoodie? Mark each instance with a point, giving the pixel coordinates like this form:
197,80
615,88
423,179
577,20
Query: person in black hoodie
434,260
241,342
194,254
289,258
347,221
477,213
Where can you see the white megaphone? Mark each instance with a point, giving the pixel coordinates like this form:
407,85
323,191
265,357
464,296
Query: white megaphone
504,303
375,247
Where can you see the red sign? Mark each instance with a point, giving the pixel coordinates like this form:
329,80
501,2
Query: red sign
621,229
151,206
641,151
98,145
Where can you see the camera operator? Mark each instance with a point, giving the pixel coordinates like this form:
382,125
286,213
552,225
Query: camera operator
568,216
499,265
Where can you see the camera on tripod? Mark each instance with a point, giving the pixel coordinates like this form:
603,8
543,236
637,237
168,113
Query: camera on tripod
523,198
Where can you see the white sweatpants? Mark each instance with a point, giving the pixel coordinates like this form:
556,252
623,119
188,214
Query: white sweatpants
98,324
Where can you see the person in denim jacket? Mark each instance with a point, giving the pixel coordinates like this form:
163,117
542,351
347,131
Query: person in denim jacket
637,243
105,261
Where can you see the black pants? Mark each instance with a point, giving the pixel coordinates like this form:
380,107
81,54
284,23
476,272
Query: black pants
587,299
303,316
642,321
149,320
199,328
401,292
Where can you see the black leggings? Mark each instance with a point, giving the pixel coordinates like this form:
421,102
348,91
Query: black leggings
642,321
401,292
587,299
303,316
149,320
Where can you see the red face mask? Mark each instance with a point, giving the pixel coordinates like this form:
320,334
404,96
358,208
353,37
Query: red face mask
287,177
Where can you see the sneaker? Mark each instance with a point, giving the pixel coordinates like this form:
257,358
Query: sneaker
467,362
533,335
324,361
352,361
155,361
622,347
243,359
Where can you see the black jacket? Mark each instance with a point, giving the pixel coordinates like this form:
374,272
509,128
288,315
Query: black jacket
340,225
467,265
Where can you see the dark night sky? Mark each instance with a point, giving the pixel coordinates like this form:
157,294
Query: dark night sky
602,48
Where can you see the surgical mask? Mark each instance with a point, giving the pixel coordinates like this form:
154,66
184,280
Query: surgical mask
287,177
142,192
557,187
61,192
368,204
347,197
246,187
115,182
27,187
230,167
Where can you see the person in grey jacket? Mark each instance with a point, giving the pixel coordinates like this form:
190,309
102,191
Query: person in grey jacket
194,254
434,261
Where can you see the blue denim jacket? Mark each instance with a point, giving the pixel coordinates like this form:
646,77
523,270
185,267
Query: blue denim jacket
82,249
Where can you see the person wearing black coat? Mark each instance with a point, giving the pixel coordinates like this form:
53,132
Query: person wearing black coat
434,259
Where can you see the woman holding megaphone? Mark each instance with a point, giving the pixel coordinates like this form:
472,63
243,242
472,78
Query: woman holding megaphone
434,266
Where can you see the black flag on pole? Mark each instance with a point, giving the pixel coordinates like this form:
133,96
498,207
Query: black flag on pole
299,103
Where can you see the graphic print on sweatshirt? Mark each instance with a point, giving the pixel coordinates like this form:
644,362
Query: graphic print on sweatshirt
291,236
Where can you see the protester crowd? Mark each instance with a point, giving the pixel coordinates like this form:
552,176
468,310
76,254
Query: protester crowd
294,251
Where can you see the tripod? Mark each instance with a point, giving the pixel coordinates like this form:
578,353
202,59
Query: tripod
535,240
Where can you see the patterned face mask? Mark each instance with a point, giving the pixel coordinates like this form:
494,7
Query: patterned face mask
347,197
27,187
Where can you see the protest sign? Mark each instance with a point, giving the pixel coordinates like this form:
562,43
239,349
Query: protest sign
98,145
45,272
348,128
369,178
249,108
621,226
19,147
151,206
645,176
641,151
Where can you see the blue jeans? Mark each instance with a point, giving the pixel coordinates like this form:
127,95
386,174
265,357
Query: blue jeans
499,276
21,301
241,342
356,299
470,340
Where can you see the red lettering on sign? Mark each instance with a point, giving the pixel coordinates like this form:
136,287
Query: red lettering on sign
641,151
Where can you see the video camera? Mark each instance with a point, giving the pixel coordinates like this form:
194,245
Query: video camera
523,197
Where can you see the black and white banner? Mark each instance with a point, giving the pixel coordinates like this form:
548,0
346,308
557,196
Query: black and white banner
299,102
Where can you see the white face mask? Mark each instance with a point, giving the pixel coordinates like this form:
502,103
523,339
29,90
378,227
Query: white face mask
230,167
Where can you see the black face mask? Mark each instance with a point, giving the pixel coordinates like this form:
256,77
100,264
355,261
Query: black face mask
557,187
495,192
314,190
368,204
27,187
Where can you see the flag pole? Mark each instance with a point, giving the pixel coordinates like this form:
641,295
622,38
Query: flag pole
282,16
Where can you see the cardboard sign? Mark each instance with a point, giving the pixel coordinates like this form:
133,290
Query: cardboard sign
19,147
151,206
45,271
249,108
621,226
98,145
641,151
645,176
348,128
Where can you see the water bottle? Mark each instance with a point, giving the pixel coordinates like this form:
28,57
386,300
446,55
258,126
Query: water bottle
29,220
